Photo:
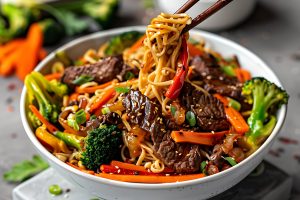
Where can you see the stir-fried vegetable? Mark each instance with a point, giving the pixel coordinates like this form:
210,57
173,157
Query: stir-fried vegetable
39,92
117,44
266,98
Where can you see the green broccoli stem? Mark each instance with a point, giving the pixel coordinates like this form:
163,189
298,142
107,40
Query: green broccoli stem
70,139
33,88
254,139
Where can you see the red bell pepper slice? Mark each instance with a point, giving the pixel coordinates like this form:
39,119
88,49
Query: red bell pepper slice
178,81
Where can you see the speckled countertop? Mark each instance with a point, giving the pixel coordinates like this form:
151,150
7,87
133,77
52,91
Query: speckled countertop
272,32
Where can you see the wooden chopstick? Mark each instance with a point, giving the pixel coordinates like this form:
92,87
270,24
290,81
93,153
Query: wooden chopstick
186,6
207,13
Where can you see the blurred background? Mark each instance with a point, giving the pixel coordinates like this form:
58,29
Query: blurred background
269,28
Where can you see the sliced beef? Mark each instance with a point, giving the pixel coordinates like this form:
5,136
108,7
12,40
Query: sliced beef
183,158
102,71
207,70
111,118
208,109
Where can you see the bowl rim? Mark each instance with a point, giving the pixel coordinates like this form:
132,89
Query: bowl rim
215,38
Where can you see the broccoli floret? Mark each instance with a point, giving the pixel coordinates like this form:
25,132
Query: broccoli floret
40,92
266,98
101,146
18,18
117,44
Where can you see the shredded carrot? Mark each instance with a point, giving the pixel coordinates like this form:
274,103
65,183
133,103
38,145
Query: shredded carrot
93,88
222,99
28,59
49,126
73,97
128,166
53,76
42,54
236,120
134,167
196,137
150,178
10,47
242,75
83,170
193,50
136,45
102,100
8,65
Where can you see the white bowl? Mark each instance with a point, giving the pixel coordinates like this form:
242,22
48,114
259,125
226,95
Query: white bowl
194,189
234,13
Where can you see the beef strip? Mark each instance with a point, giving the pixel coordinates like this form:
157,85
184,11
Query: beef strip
207,70
111,118
101,72
183,158
208,109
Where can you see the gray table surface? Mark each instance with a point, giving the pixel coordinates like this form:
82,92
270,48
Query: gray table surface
272,32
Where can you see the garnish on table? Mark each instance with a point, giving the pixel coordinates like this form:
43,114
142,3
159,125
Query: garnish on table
25,169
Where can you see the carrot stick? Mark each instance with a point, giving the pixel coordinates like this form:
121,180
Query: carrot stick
93,88
236,120
103,100
8,65
196,137
118,170
194,51
222,99
28,59
10,47
246,74
53,76
73,97
128,166
83,170
136,45
242,74
134,167
42,54
49,126
150,178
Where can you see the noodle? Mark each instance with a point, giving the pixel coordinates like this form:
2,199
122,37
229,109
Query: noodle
162,44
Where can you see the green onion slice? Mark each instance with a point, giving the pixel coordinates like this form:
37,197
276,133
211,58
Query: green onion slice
55,189
230,160
80,117
173,110
82,79
122,89
129,75
191,118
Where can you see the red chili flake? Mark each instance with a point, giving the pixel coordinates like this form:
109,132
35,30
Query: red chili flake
280,150
274,153
286,140
10,108
297,158
11,86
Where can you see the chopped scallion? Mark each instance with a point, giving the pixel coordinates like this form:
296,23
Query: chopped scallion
80,117
229,70
234,104
191,118
105,110
55,190
129,75
203,166
122,89
82,79
173,110
230,160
